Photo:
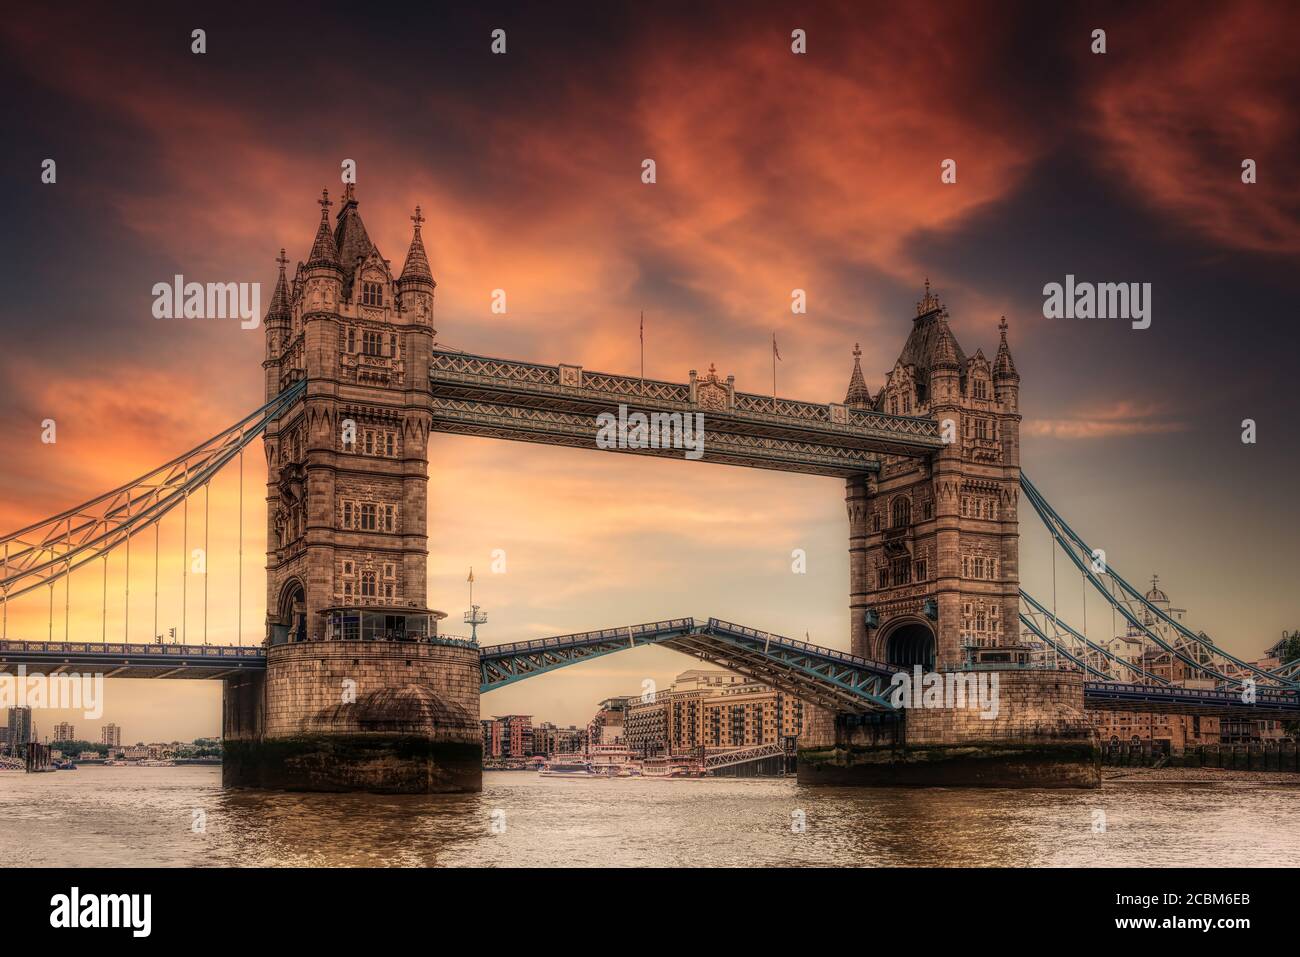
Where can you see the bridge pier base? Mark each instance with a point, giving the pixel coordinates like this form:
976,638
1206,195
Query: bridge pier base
378,716
1040,738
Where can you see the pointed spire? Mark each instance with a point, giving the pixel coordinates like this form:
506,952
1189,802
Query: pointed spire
945,348
279,308
417,263
858,395
1003,367
323,250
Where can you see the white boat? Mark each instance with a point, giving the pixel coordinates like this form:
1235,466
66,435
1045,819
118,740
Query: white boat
568,766
614,761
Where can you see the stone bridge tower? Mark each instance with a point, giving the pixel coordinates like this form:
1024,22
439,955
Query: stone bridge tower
934,542
935,581
360,691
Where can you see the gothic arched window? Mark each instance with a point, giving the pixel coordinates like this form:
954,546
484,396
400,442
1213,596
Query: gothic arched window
900,512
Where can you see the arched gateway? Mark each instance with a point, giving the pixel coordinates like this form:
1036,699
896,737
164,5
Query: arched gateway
910,643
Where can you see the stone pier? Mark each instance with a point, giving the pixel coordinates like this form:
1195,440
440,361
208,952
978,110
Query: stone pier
377,716
1041,738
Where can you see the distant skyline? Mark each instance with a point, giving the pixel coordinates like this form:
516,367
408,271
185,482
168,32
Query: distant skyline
775,172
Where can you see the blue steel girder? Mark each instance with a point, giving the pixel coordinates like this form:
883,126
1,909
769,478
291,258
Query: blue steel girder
823,676
500,665
1115,696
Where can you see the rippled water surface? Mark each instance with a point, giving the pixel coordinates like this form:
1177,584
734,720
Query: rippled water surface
99,816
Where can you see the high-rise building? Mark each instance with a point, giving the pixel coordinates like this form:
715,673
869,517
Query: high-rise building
20,728
63,731
111,735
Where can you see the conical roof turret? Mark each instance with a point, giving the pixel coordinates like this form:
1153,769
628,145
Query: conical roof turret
278,310
324,252
1003,367
858,395
416,268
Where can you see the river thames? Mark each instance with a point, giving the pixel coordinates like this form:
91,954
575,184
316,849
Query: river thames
180,816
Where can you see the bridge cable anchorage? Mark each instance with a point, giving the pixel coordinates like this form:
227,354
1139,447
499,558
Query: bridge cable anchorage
1076,549
50,549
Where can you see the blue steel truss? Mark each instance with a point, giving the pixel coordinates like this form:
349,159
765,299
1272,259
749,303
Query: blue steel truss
1122,596
820,675
1116,696
49,550
500,665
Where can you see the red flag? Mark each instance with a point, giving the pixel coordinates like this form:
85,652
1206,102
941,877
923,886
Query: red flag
775,351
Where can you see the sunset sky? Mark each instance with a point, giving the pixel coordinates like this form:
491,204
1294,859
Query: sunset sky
775,171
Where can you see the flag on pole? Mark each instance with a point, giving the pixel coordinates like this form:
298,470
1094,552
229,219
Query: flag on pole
471,575
776,354
643,344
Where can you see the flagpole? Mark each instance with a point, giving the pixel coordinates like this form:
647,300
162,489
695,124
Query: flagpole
642,350
774,357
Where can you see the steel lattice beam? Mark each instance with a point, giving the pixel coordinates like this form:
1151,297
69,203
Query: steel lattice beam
42,553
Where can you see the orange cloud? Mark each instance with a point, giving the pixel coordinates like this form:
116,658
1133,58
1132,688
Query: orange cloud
1118,419
1181,102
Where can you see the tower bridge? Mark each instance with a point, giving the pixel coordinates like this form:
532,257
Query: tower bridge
355,687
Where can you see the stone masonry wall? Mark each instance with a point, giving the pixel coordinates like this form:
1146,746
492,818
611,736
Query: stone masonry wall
307,679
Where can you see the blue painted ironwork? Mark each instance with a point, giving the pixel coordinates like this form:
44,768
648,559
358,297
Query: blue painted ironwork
121,660
1076,548
1114,696
814,673
42,553
1039,608
500,665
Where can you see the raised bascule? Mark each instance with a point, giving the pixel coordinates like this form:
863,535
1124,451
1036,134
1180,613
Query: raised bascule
355,688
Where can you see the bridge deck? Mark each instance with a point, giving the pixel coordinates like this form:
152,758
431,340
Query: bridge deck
823,676
120,660
558,405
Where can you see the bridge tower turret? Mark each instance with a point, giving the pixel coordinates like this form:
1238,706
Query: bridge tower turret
361,693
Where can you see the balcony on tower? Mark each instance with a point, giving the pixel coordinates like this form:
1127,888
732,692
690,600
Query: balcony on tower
381,623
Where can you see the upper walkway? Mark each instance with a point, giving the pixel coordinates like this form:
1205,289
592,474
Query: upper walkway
558,405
